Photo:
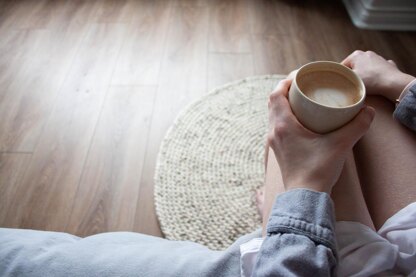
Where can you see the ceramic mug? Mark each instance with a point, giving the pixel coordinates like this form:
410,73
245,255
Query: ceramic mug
326,95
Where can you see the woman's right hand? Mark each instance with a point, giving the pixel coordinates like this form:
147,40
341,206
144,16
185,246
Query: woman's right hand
380,77
307,159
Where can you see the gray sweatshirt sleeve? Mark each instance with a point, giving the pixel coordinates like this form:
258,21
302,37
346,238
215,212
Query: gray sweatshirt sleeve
300,237
406,111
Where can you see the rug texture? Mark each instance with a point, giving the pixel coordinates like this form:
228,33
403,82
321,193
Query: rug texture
211,162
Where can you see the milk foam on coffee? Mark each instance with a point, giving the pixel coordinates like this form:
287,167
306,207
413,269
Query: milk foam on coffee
329,88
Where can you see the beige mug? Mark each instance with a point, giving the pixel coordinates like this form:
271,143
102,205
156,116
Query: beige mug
326,95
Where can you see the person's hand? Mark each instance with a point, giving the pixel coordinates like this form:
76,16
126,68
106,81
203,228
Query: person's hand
380,77
306,159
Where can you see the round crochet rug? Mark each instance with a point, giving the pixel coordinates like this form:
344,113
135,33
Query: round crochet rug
211,162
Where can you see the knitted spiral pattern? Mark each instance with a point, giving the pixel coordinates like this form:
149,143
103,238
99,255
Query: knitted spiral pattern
211,162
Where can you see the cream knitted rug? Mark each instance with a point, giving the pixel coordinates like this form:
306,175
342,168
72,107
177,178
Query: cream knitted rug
211,162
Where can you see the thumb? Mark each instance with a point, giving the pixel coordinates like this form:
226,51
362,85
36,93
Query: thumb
356,128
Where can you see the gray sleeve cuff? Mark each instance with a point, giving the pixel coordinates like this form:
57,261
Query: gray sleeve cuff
304,212
406,110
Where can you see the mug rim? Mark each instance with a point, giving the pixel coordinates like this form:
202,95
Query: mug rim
360,82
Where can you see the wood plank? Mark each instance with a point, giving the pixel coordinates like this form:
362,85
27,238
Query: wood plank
146,221
276,17
32,75
115,11
47,193
17,14
286,35
28,94
140,58
107,194
338,37
184,65
279,55
5,6
12,169
229,27
192,3
404,56
330,19
14,46
44,14
183,79
224,68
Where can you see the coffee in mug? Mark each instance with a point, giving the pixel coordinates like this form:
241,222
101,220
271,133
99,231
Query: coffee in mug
326,95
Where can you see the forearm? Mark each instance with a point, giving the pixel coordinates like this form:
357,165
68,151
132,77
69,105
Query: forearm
394,84
300,237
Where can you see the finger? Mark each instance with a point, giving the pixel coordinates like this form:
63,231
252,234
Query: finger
279,106
372,53
353,131
349,61
282,88
282,84
278,102
392,62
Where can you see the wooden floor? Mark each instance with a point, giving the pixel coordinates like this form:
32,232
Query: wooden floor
89,88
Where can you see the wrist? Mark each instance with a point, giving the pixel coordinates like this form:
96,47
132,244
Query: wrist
396,85
307,184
